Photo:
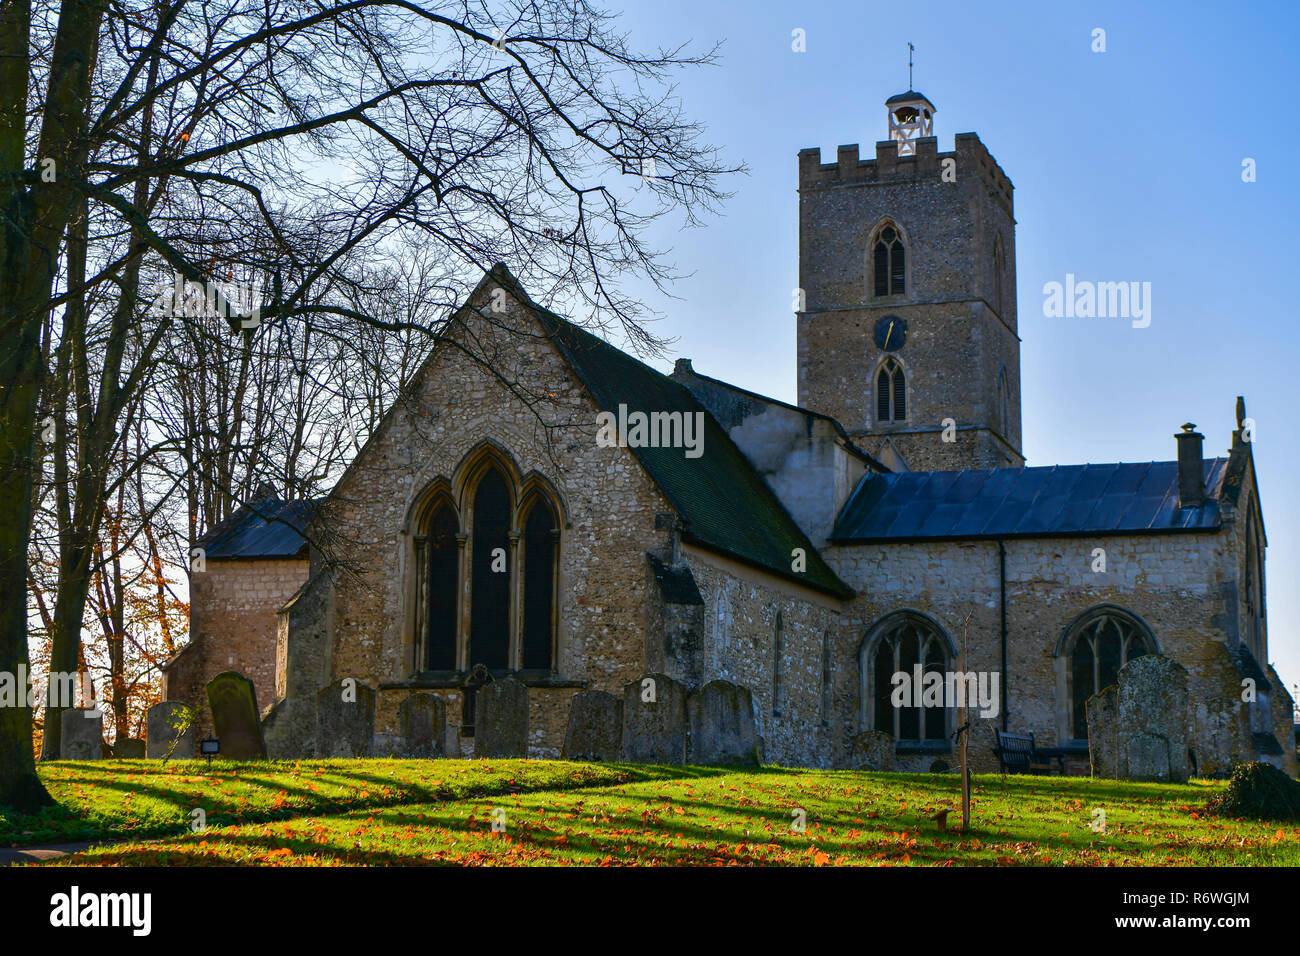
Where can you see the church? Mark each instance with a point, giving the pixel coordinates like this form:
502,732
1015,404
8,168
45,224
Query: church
885,525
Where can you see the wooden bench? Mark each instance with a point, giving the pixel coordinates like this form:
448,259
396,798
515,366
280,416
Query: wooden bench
1018,753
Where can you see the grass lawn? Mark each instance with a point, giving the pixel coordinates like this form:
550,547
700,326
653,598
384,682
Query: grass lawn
124,798
562,814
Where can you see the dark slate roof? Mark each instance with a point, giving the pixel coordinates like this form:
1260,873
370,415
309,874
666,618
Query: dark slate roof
1013,502
738,403
909,95
724,502
267,528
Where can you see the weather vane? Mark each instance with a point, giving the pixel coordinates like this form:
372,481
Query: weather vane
910,48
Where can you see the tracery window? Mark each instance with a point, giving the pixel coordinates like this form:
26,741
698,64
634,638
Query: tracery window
1099,643
891,392
897,645
888,262
486,577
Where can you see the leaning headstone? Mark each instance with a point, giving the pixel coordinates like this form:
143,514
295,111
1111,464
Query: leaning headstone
654,720
345,719
128,748
595,730
170,722
501,720
721,731
233,700
83,734
1103,733
1153,704
872,750
423,720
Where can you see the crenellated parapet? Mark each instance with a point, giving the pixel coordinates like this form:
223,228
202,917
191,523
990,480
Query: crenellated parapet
970,155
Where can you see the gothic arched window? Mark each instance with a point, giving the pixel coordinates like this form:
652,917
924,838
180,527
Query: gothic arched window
541,538
441,560
888,263
483,587
489,617
1097,645
898,645
891,392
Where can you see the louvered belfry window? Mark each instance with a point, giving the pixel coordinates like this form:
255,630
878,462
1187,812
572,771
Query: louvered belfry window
889,267
891,393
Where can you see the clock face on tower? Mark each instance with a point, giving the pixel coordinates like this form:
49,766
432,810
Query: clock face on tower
891,333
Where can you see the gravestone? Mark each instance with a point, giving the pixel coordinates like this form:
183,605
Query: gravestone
501,720
233,700
654,720
345,719
163,722
83,734
129,748
872,750
595,730
721,731
1153,705
1103,733
424,725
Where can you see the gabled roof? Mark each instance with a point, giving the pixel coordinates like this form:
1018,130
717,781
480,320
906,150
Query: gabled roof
266,528
1019,502
733,412
724,502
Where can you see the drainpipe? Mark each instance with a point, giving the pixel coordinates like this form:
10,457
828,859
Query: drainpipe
1002,588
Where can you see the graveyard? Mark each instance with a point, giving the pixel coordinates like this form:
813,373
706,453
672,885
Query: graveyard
515,812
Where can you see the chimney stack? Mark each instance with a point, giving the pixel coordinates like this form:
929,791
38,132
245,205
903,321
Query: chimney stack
1191,469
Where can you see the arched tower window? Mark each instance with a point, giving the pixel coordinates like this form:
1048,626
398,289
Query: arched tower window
441,560
541,541
891,392
888,263
897,645
489,621
1097,645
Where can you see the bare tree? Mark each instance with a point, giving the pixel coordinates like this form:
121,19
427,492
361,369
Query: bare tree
292,142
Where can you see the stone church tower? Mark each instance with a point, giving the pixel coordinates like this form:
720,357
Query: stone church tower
907,272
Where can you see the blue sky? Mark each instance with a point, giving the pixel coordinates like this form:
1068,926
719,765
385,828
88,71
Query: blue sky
1126,166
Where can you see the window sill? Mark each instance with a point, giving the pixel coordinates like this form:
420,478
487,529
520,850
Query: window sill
449,680
904,747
